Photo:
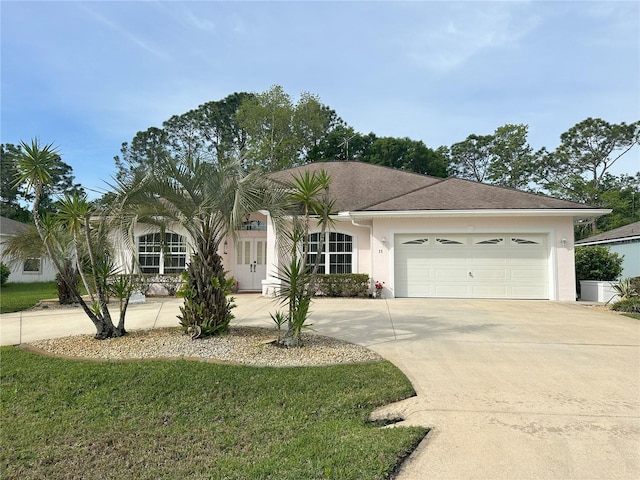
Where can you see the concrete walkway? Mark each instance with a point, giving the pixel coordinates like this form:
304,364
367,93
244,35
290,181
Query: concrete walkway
511,389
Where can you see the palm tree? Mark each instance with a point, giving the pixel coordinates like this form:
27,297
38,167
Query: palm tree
308,201
36,166
209,201
27,244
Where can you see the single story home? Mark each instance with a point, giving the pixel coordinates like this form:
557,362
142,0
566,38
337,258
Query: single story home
421,236
623,241
31,270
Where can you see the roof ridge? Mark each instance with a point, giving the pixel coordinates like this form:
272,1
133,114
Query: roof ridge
437,182
517,190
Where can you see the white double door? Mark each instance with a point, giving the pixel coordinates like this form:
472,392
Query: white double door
251,263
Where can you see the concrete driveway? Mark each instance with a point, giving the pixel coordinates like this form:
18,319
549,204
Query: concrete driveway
511,389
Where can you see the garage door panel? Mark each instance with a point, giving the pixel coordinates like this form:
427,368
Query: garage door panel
454,274
490,291
471,266
451,290
490,275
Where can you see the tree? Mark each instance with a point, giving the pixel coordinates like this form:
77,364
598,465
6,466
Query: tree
512,159
595,262
309,202
406,154
36,166
621,194
14,196
209,200
209,132
471,158
282,134
341,143
577,168
27,244
10,193
586,153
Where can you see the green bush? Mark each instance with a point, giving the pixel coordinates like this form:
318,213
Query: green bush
629,305
4,274
343,285
594,262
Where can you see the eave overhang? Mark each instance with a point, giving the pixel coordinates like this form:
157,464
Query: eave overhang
610,241
576,213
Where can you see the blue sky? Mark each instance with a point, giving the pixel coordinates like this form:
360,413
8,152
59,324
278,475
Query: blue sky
89,75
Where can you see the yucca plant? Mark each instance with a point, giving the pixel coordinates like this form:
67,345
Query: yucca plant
625,289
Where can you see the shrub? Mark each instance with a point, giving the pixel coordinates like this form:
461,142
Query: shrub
628,305
625,289
343,285
595,262
4,273
152,284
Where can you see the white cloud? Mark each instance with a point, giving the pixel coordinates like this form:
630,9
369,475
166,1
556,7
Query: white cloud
454,35
124,33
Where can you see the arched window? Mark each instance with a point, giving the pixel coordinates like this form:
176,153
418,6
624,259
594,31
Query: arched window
156,256
339,247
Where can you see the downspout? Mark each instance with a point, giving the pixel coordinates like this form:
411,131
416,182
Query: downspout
370,227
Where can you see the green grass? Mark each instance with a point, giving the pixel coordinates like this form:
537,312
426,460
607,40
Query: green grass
15,297
68,419
632,315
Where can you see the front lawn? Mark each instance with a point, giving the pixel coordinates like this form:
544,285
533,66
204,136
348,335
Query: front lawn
15,297
68,419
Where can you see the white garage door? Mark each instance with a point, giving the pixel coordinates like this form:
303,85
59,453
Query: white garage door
471,266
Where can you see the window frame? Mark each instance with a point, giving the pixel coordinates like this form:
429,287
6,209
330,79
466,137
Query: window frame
334,257
32,271
168,257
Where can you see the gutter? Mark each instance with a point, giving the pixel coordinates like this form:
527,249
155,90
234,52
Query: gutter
610,241
575,213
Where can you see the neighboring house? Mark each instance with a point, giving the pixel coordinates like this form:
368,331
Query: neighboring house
422,236
623,241
31,270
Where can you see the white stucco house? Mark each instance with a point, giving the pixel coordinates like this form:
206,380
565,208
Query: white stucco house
422,236
31,270
623,241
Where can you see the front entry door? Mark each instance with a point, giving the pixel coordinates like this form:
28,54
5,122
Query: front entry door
251,263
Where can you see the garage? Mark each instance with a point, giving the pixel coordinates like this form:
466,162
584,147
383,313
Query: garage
513,266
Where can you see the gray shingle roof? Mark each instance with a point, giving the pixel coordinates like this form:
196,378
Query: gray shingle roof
10,227
364,187
617,234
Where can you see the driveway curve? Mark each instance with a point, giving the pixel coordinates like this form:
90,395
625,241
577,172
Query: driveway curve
511,389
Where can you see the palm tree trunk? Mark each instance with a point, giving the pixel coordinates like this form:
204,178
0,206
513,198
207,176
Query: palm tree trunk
206,304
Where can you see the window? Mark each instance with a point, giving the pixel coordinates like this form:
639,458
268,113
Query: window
31,265
448,241
524,241
491,241
156,256
339,246
418,241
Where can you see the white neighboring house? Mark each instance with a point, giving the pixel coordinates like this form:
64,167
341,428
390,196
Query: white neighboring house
623,241
32,270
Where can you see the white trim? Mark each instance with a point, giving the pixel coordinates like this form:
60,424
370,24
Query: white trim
354,248
575,213
610,241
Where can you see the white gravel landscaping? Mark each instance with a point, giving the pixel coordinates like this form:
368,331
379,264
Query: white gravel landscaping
242,345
